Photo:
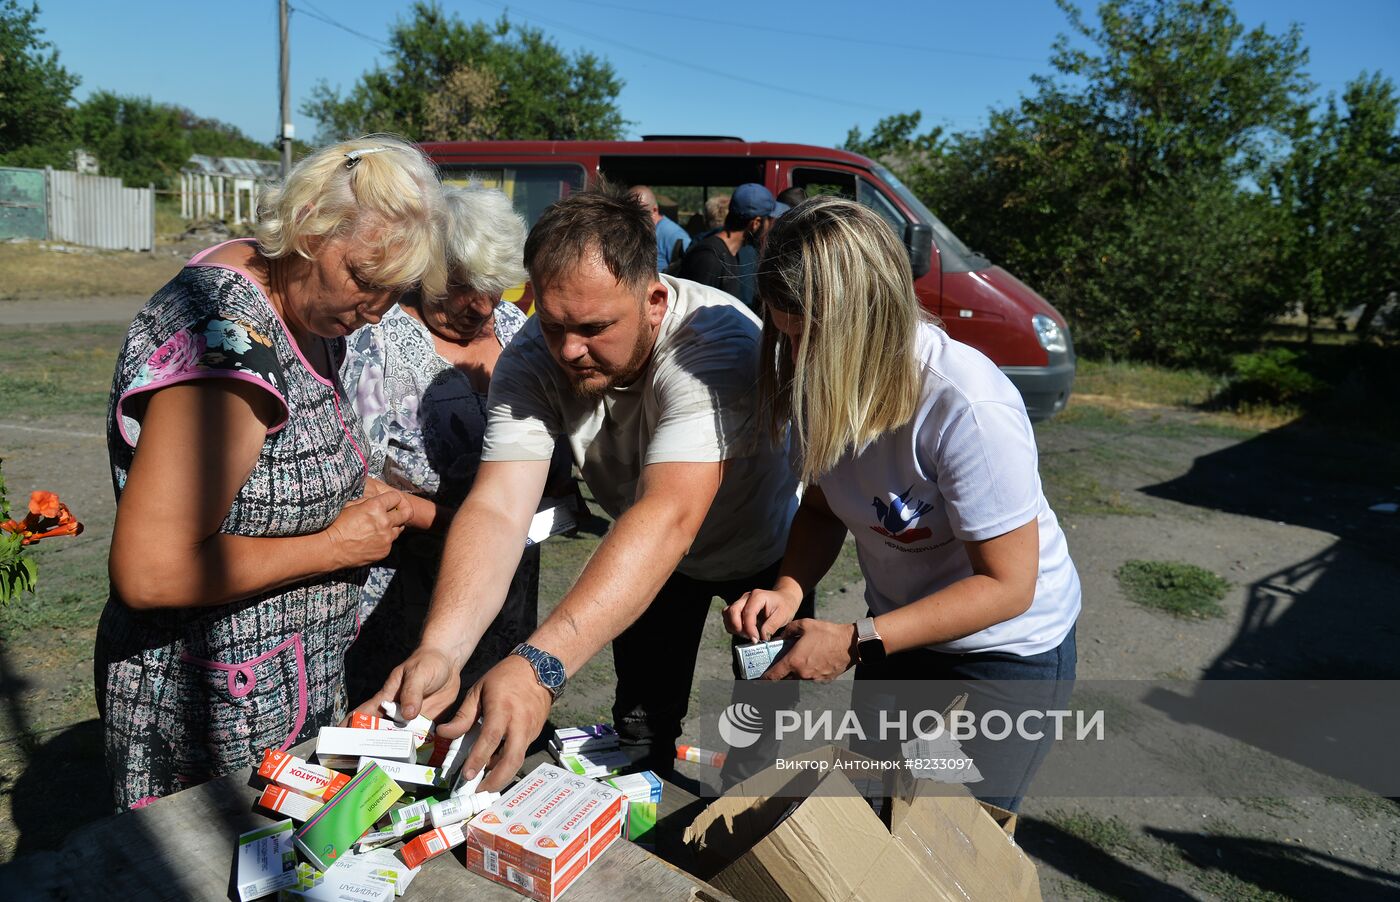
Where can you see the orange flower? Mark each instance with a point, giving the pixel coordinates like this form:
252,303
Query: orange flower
45,504
48,517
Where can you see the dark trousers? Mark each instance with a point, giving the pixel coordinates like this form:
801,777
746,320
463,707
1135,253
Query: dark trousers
655,662
992,681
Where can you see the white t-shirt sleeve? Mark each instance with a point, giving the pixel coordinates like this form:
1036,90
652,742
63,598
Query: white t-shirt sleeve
986,466
522,418
707,403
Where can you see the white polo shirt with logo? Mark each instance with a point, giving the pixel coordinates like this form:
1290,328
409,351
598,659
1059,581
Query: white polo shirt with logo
964,469
695,402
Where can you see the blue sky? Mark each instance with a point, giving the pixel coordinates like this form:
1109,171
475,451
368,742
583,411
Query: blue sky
788,70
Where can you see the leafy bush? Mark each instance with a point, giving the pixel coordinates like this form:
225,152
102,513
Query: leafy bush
1179,589
1271,377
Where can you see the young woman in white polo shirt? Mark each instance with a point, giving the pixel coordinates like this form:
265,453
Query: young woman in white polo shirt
920,447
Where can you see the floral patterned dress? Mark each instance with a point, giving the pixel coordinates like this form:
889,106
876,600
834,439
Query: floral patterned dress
190,694
425,424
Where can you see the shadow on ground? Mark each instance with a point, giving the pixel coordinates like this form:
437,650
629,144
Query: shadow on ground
64,787
1333,615
1291,871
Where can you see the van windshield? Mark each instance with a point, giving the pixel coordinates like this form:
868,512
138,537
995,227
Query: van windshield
956,256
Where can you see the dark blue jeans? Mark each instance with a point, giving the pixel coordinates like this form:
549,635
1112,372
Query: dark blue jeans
931,680
655,663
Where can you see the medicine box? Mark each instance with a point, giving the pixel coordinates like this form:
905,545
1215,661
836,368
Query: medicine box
310,780
266,861
643,794
332,831
540,843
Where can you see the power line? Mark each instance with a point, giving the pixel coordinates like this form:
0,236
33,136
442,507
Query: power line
717,73
306,9
792,32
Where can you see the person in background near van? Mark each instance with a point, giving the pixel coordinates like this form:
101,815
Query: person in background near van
920,448
418,378
715,261
792,196
671,239
716,209
651,381
243,535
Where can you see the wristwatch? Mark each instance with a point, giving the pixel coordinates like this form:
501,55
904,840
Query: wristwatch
870,648
548,670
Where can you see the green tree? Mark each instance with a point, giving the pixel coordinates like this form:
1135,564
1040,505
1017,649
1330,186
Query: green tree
219,139
446,80
134,138
896,142
1339,190
35,91
1126,186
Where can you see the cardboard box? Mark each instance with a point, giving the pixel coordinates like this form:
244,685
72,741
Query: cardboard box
809,835
540,843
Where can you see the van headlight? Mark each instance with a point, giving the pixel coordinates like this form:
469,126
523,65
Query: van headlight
1052,338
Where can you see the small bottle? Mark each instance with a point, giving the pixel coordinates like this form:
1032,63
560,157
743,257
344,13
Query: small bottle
699,756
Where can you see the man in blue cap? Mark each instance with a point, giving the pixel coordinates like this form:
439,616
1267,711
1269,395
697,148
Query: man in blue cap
727,259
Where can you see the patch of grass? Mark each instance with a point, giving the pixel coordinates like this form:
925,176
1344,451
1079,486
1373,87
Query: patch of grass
58,369
1180,589
32,272
1114,837
1368,806
1143,383
1224,885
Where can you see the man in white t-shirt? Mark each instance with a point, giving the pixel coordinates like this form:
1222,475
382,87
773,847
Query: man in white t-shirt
652,383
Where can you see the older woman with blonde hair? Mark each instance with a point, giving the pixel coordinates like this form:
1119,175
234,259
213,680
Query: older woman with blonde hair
419,379
920,448
242,534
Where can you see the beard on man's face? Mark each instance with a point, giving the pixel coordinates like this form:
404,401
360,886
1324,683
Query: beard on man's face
597,384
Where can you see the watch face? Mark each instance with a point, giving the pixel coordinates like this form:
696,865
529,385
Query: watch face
871,651
550,671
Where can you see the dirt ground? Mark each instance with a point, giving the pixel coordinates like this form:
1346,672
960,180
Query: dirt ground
1282,514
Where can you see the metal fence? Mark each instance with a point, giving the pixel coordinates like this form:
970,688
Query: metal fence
98,211
23,208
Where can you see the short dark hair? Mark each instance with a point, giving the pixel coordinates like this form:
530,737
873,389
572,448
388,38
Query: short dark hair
603,221
734,221
793,196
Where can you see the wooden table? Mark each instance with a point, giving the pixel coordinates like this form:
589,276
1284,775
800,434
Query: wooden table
182,847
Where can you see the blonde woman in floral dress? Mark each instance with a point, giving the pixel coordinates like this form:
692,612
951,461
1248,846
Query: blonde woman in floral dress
242,532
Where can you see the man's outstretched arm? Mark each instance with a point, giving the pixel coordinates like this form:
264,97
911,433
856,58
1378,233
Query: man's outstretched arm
479,559
634,560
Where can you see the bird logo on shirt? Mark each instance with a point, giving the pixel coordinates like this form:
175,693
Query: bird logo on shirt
898,516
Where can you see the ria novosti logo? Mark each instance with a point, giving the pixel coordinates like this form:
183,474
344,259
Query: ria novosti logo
740,725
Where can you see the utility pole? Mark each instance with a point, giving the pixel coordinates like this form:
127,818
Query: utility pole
284,131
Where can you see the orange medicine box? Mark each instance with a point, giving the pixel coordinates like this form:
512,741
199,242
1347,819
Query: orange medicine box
311,780
541,846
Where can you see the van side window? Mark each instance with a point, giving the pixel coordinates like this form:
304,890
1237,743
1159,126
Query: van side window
820,182
530,188
871,197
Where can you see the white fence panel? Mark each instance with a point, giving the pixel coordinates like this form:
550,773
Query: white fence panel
97,211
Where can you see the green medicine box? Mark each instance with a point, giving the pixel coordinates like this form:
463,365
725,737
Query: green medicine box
349,813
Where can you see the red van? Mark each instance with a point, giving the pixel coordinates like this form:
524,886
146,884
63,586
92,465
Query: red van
980,303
